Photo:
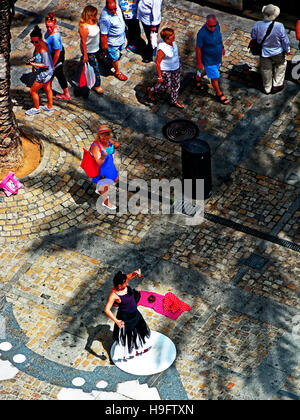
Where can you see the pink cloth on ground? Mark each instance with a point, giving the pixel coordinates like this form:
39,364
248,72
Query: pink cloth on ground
157,306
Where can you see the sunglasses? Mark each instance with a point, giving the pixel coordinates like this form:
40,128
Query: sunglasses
35,42
52,19
111,10
212,26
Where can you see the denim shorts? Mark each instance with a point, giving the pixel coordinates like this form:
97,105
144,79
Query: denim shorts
115,52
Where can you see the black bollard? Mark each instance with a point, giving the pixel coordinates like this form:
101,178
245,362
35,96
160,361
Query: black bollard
196,164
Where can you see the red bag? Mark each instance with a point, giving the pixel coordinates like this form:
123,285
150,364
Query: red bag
82,81
89,165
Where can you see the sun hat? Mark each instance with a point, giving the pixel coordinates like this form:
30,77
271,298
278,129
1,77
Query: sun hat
270,12
103,128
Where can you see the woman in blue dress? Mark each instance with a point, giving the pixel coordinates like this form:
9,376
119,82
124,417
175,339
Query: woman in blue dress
130,330
42,66
103,149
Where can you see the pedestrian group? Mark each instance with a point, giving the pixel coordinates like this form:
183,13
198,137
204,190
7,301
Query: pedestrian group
118,27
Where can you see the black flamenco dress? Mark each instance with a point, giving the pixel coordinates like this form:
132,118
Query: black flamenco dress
134,337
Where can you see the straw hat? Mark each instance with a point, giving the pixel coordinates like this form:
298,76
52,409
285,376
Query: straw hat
270,12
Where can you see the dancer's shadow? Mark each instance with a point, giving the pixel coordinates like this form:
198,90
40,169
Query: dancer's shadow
103,334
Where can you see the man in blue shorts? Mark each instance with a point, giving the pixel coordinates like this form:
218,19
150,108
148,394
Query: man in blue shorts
113,37
209,52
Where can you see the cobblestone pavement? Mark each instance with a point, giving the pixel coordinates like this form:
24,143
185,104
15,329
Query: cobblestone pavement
238,270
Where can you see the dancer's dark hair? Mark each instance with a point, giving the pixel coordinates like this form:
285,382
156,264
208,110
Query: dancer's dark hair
119,278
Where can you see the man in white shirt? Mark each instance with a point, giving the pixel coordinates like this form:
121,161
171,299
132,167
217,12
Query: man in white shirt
113,37
149,13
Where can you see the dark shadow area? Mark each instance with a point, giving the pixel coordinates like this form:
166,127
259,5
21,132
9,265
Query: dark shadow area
245,76
252,79
149,79
99,333
252,9
28,79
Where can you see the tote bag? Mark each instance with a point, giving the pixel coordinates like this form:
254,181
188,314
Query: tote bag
89,75
89,165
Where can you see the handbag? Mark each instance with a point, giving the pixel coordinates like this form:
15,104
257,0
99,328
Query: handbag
11,184
89,75
78,81
256,47
89,165
82,81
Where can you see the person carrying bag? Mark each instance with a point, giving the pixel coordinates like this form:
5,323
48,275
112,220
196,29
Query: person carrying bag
98,163
273,41
256,47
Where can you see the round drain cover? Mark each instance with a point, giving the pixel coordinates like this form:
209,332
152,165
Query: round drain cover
181,130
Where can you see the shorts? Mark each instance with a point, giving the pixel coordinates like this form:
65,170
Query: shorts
212,72
115,52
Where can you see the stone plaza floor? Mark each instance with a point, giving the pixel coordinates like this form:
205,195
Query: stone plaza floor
238,269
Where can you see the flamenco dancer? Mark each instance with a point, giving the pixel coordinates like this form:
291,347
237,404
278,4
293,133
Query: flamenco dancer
130,329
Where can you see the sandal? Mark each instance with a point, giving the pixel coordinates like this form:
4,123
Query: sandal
177,105
121,76
150,94
199,84
99,90
223,101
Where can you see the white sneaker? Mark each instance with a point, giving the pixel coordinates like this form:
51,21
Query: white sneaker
45,108
33,111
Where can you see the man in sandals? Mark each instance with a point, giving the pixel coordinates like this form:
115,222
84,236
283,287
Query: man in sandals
209,52
113,37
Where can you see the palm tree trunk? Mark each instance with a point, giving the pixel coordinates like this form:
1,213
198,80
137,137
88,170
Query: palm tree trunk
11,154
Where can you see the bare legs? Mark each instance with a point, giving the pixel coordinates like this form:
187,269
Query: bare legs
215,84
118,74
35,96
103,191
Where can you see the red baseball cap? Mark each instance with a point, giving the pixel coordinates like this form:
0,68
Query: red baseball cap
103,128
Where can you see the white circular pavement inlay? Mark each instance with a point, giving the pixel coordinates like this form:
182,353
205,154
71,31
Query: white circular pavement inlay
161,356
78,381
19,358
5,346
101,384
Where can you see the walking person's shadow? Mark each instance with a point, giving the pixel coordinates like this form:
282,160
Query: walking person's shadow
103,334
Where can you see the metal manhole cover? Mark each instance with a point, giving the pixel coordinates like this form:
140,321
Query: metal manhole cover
254,261
181,130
